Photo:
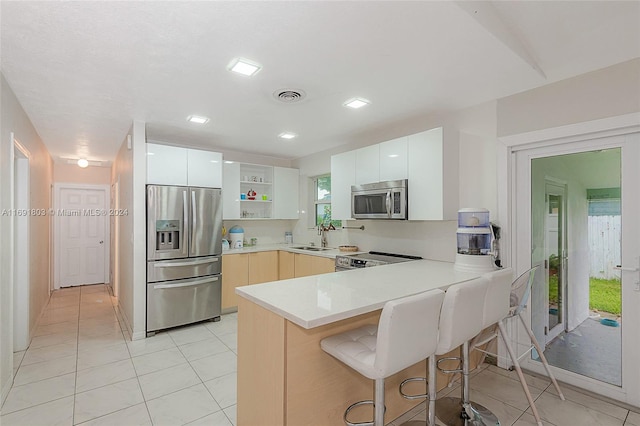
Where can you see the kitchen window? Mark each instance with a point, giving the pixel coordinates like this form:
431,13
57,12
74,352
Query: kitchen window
321,190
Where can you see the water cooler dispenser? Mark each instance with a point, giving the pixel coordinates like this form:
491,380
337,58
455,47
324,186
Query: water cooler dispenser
475,239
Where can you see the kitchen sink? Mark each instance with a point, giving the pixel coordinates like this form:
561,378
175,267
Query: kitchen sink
311,248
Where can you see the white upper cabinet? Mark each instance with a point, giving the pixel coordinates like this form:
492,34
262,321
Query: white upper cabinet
433,177
368,164
231,191
166,165
254,191
393,159
343,175
286,184
173,165
204,168
430,165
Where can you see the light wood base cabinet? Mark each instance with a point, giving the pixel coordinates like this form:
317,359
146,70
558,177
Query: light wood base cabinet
306,265
235,273
263,267
286,264
285,378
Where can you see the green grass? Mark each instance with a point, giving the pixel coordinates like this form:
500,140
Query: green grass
604,295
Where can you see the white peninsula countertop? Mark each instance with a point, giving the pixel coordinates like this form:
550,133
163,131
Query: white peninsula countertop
323,299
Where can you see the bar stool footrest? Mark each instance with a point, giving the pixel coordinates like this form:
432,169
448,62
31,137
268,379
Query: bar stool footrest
412,397
357,404
449,358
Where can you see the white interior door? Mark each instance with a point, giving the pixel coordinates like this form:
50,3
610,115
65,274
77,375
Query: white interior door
555,247
82,217
527,245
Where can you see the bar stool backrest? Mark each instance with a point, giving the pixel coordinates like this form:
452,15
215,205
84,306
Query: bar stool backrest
407,331
521,290
496,301
461,317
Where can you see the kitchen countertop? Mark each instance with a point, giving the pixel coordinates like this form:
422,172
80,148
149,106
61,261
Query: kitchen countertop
323,299
331,253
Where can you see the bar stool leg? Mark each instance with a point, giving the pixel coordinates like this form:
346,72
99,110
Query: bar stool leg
432,391
542,357
378,417
516,364
461,411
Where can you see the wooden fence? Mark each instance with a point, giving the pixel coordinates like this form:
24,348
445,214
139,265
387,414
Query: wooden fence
604,246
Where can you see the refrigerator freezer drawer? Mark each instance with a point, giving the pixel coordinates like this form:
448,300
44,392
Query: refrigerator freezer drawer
174,303
165,270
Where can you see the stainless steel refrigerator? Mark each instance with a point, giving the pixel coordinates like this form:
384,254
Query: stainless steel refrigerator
184,255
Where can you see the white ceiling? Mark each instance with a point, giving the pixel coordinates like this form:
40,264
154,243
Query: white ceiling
84,70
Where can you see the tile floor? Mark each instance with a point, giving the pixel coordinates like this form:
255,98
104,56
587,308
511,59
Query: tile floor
591,349
80,369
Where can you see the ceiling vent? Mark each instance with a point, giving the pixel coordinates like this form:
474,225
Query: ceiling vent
289,96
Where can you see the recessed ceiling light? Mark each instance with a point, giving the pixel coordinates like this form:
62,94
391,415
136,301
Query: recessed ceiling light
228,162
244,66
197,119
83,163
356,103
287,135
393,155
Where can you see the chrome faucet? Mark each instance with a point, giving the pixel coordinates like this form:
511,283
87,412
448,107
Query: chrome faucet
322,231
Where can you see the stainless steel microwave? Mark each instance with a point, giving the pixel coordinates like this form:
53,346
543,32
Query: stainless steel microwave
381,200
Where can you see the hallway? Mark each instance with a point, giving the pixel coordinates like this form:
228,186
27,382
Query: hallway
80,369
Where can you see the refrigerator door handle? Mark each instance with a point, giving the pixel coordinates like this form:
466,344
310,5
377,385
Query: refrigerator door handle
193,222
185,219
189,284
189,263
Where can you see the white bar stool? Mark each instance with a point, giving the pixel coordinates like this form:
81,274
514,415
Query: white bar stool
495,308
406,334
519,292
460,321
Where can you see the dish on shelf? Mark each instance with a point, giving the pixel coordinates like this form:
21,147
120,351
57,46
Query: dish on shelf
348,248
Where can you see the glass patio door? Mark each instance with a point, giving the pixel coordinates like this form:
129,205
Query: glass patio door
539,205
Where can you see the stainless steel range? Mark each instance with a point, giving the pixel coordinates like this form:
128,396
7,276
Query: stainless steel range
367,260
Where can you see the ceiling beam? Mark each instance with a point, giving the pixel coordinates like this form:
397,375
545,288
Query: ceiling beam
485,13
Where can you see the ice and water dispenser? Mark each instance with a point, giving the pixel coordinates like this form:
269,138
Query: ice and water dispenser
475,237
168,235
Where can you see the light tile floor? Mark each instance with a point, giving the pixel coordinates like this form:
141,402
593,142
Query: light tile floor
80,369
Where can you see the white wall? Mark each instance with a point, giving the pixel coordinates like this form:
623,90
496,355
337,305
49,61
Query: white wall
129,170
71,173
14,119
608,92
266,231
471,133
